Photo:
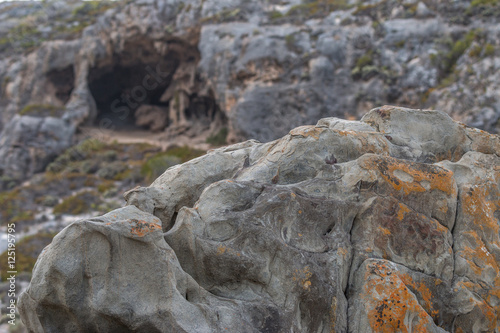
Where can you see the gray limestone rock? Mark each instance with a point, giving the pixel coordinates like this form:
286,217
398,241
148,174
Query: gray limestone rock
29,144
332,228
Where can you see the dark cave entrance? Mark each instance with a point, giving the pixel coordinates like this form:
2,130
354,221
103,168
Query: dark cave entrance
120,88
61,83
142,88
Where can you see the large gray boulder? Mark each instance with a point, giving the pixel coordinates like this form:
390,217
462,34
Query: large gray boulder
346,226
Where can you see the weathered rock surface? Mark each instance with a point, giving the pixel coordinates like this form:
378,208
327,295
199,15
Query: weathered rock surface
388,224
29,143
256,69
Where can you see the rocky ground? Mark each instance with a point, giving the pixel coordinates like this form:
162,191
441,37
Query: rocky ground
380,225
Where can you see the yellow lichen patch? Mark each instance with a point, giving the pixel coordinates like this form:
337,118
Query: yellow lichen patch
482,141
443,209
333,314
489,313
373,143
342,251
477,204
423,291
303,277
402,210
455,154
437,177
141,228
224,249
385,231
346,133
389,302
307,131
367,142
478,255
221,249
482,266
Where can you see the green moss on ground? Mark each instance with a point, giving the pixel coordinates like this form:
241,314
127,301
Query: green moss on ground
90,9
321,7
79,203
157,164
483,8
365,66
185,153
108,168
446,61
226,15
42,110
14,207
219,138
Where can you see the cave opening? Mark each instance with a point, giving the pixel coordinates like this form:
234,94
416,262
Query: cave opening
153,86
61,83
120,89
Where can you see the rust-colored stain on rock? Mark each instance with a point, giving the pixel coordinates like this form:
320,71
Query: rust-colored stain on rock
307,131
438,178
141,228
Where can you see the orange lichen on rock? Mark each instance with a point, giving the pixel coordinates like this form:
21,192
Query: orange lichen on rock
482,141
396,232
403,209
303,277
423,291
480,204
487,312
224,249
141,228
478,256
368,142
479,241
389,303
482,266
307,131
333,315
438,178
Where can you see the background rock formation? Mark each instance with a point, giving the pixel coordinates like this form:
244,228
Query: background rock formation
245,70
361,226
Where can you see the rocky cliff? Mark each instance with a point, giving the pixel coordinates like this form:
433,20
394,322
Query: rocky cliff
239,70
388,224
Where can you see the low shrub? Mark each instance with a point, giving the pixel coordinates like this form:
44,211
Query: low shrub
78,204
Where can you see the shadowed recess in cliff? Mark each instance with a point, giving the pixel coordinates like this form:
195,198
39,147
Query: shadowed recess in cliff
150,85
135,77
61,83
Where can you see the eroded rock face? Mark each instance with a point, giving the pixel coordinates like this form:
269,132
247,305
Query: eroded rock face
254,69
379,225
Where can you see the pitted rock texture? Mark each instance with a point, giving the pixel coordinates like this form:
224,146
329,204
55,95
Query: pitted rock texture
388,224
